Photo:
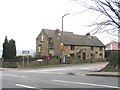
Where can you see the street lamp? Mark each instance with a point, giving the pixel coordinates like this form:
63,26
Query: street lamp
62,53
62,22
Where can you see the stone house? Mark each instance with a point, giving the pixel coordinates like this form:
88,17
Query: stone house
75,48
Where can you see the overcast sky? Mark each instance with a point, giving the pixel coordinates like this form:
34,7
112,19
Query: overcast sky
23,20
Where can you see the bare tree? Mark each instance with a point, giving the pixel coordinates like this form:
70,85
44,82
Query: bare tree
110,9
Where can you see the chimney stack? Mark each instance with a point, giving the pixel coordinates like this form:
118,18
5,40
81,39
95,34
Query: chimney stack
57,31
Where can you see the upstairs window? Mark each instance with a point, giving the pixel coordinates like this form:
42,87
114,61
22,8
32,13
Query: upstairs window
51,45
42,38
101,49
72,47
50,40
92,48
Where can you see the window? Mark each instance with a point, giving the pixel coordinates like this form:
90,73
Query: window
42,38
51,45
100,48
87,55
92,56
92,48
40,48
50,40
72,55
72,47
101,55
79,57
96,52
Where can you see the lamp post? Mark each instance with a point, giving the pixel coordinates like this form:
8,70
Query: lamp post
62,53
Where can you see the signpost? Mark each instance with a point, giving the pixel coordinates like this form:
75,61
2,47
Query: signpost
40,60
25,52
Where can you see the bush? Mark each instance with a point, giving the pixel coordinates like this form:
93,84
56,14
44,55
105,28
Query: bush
10,64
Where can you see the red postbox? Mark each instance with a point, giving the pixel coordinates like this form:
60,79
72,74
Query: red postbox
47,58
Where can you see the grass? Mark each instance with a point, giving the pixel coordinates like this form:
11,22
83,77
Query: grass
113,57
111,67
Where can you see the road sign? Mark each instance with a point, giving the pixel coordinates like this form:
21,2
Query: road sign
25,52
39,60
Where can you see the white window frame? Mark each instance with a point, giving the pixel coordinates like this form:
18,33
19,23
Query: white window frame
39,48
42,38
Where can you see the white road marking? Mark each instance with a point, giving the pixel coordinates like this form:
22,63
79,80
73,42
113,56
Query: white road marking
50,72
90,84
14,76
24,86
23,76
44,72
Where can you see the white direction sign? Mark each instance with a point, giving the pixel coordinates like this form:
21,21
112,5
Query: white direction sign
25,52
39,60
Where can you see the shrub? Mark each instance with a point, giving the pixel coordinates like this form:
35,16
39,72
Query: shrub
10,64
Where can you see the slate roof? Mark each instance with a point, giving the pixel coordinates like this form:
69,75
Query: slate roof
80,40
51,33
72,39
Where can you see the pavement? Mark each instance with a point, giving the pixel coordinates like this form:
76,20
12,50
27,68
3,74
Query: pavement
105,74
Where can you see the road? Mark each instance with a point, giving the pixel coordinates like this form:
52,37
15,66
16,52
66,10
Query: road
57,77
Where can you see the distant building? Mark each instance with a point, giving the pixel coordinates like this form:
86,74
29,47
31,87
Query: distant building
74,47
112,46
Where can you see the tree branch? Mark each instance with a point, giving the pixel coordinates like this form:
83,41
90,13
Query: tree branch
108,13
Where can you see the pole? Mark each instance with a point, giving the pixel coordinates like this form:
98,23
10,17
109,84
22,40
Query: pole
27,61
23,60
62,52
62,42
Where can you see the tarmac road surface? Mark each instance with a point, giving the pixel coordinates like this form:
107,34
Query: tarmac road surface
57,77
